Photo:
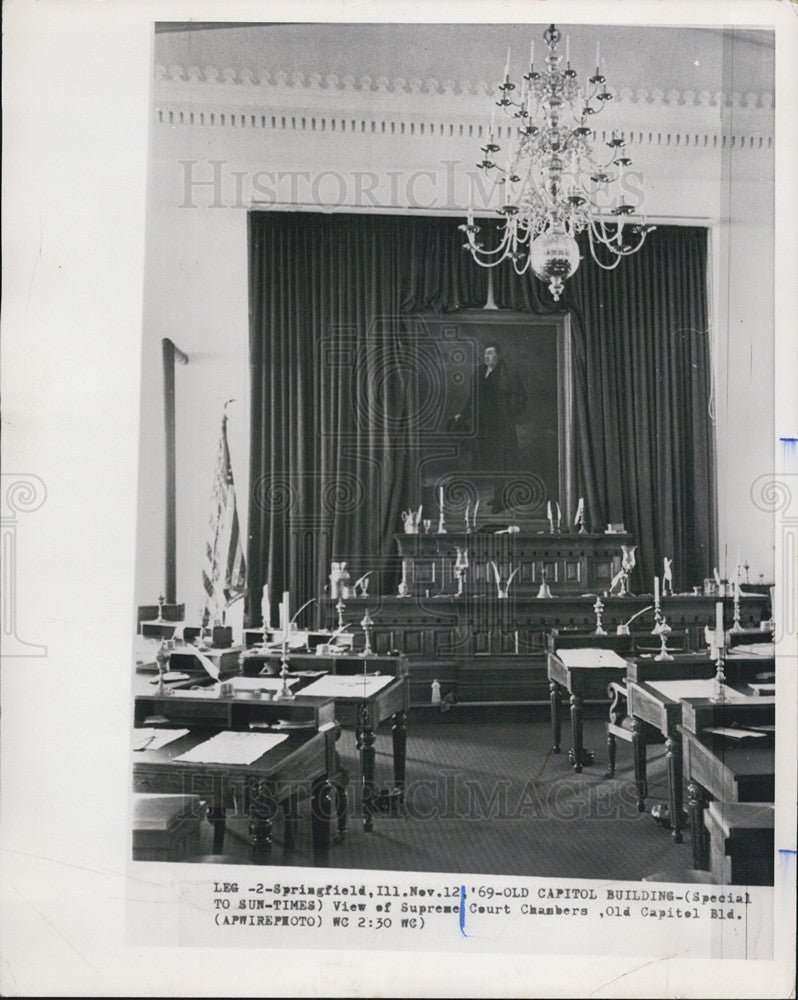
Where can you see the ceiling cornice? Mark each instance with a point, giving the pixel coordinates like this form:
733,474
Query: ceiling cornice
211,77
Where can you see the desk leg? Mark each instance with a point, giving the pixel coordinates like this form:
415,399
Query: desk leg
673,756
291,822
696,800
556,722
217,821
261,811
612,753
341,808
365,737
578,756
640,764
399,752
321,820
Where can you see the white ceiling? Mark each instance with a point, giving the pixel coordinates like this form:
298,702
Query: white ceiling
639,58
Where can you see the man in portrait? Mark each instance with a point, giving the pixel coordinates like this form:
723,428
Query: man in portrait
495,403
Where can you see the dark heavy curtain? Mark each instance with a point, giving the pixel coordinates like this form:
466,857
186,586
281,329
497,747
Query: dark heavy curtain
333,307
642,394
333,443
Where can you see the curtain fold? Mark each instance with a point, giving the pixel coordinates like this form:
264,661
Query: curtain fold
336,313
641,363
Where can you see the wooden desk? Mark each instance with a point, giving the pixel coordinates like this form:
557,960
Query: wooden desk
650,707
464,642
729,770
741,841
358,712
363,713
580,682
302,762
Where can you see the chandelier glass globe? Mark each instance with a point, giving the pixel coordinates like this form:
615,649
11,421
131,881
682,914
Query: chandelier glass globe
554,257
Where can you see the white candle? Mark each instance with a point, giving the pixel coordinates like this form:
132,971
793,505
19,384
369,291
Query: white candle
532,53
440,500
567,50
548,510
559,516
471,216
598,55
474,514
656,590
719,623
507,66
286,610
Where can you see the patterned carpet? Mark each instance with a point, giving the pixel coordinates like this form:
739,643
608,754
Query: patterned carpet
484,795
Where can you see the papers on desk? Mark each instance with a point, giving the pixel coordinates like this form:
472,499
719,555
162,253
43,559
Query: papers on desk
590,657
735,733
676,690
753,649
154,739
348,685
232,748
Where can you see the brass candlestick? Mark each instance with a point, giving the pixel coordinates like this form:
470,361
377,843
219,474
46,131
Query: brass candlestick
161,601
284,694
340,607
162,658
598,607
658,619
720,677
366,624
664,632
460,567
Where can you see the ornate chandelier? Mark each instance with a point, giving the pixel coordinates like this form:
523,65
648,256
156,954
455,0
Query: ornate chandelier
554,183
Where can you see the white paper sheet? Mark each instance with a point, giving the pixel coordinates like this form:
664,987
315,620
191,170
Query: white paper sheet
735,734
590,657
348,686
694,689
753,649
232,748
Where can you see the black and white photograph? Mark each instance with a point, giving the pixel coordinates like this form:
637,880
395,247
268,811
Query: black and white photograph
433,584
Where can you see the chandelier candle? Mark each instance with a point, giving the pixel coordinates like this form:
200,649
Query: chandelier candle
556,183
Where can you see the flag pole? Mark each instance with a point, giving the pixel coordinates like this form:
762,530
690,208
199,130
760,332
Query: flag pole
170,353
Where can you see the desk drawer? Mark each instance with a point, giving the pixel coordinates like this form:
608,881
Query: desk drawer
176,783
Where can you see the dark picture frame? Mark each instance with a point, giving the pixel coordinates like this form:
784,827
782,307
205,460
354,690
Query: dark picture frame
536,352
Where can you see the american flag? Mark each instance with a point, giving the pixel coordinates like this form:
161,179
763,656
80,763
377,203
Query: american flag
224,575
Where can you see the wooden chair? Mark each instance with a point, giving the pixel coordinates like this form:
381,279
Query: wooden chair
622,726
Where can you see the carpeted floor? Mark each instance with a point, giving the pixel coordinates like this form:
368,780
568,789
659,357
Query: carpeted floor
484,795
